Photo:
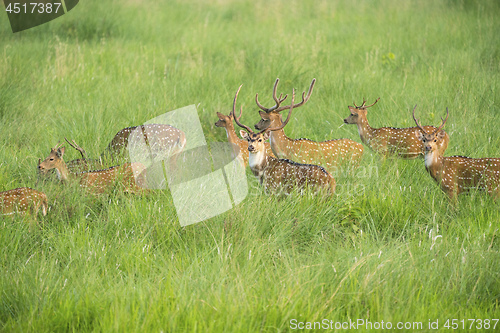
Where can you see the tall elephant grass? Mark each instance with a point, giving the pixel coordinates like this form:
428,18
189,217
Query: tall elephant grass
388,246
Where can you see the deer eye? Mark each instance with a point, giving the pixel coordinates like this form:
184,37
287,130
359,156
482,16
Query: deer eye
435,140
260,140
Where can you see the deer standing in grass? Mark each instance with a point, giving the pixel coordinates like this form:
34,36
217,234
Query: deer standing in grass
281,175
328,154
98,181
23,200
457,174
227,123
402,142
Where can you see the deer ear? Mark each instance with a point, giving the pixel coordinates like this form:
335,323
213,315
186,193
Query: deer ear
263,115
419,134
441,134
60,152
265,135
244,134
220,115
263,123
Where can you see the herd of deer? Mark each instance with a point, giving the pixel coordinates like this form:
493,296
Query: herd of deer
281,165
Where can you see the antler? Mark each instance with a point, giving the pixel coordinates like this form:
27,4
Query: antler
77,147
444,121
416,120
287,118
439,128
279,100
363,106
58,145
237,119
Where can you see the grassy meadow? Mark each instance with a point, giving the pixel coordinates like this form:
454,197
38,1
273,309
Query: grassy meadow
389,246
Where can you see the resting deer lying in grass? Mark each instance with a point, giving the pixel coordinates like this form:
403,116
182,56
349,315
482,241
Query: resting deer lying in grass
281,175
162,141
328,154
77,165
23,200
227,123
402,142
97,181
457,174
84,163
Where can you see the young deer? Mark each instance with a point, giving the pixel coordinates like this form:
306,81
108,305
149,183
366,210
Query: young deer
401,142
328,154
22,200
227,123
97,181
281,175
457,174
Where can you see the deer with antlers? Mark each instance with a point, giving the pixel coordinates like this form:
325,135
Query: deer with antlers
457,174
328,154
162,141
23,200
280,175
401,142
227,123
129,175
78,165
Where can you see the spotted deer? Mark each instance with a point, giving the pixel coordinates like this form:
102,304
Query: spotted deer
162,141
328,154
77,165
227,123
23,200
457,174
130,175
281,175
401,142
84,163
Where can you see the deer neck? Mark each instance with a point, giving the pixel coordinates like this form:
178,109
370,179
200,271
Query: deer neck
231,135
365,130
258,163
434,163
278,140
62,171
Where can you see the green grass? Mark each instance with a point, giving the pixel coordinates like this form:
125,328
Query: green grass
388,246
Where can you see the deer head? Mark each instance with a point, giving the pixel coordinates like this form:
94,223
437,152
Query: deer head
268,114
358,112
430,140
256,140
224,120
54,161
